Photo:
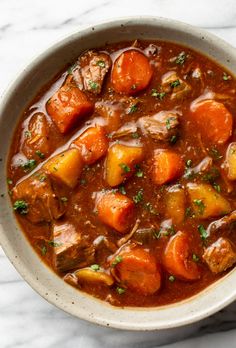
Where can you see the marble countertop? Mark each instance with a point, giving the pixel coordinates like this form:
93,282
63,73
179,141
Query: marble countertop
26,29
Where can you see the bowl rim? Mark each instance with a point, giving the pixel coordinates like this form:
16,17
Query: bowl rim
8,249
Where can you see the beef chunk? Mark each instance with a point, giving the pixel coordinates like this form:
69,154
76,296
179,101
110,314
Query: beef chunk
161,126
171,83
91,70
71,249
43,197
36,137
220,255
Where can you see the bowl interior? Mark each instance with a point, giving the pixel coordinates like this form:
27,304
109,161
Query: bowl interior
17,248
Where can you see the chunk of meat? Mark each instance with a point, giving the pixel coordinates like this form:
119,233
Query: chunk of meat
112,113
36,137
213,119
161,126
171,83
115,210
136,269
131,72
92,143
176,258
220,255
43,197
71,249
67,106
167,166
91,70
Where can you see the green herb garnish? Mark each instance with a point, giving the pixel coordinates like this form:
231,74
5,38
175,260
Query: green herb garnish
226,77
189,163
101,63
29,165
195,258
181,58
93,85
120,290
159,95
122,190
9,181
171,278
44,250
54,244
214,152
117,260
95,267
133,108
135,135
199,203
203,232
138,197
21,207
173,139
40,154
175,83
27,134
124,167
64,199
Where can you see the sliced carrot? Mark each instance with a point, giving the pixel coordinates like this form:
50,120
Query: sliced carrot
131,72
176,258
167,166
93,144
214,121
115,210
137,270
67,106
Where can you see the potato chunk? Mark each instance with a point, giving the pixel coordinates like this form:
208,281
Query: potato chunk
220,255
175,203
120,163
230,162
66,167
206,202
90,275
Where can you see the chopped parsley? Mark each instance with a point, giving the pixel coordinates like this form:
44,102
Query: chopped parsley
199,203
125,168
214,152
189,163
29,165
93,85
54,244
44,250
148,206
42,177
159,95
216,187
138,197
133,108
64,199
135,135
95,267
188,212
226,77
173,139
168,126
101,63
9,181
195,258
117,260
134,86
203,232
27,134
122,190
171,278
181,58
120,290
139,172
40,154
175,83
21,207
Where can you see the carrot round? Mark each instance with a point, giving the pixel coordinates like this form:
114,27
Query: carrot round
131,72
213,119
167,166
176,258
93,144
66,107
115,210
137,270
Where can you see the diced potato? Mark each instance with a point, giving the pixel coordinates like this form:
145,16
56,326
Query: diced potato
97,276
206,202
230,162
92,144
120,162
66,167
175,203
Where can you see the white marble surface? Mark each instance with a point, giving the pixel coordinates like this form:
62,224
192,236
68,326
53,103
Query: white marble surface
26,28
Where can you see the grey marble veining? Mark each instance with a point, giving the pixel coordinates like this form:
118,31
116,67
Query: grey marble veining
27,28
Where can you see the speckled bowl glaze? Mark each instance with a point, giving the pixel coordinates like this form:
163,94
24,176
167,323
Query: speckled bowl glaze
13,241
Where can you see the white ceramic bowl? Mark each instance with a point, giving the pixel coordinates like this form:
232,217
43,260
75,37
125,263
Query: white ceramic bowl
13,241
